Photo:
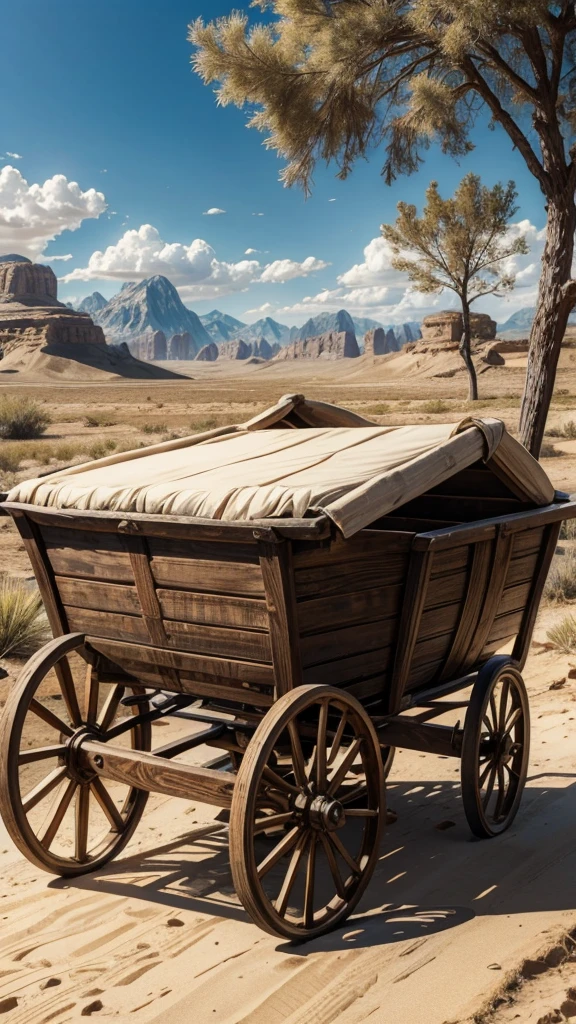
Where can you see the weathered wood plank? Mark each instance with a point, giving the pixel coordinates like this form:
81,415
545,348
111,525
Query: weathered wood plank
214,609
366,544
213,577
278,577
348,670
87,555
346,642
415,592
126,654
345,578
463,508
212,687
114,597
44,573
548,547
320,614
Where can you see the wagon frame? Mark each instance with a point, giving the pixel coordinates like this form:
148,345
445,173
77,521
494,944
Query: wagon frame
294,731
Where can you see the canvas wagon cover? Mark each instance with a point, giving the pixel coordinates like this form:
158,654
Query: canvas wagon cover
354,474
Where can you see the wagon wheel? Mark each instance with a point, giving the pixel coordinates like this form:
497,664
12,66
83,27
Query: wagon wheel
304,834
495,749
60,820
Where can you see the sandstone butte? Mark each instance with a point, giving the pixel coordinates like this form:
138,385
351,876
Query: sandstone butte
39,334
332,345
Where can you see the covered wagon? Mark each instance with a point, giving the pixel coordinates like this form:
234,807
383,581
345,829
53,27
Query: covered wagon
298,584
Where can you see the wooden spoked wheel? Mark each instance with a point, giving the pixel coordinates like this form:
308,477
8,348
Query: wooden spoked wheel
60,819
306,813
495,750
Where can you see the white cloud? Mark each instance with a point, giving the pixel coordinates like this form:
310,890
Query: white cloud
286,270
257,214
31,216
214,211
194,268
264,310
56,259
249,252
14,156
331,200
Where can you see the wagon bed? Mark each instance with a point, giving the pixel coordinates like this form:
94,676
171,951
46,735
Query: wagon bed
388,592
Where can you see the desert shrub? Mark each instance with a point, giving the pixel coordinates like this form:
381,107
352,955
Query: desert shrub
436,405
100,419
22,419
154,428
562,636
376,410
568,530
9,460
101,448
23,624
561,583
206,423
548,451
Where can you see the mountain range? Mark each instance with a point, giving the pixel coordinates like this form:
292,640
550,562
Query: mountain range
142,308
521,321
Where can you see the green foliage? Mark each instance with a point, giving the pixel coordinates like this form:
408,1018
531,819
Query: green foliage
563,635
21,419
23,625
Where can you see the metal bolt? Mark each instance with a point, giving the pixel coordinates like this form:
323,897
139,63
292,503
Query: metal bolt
99,761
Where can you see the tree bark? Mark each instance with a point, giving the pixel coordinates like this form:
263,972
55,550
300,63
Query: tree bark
555,301
465,351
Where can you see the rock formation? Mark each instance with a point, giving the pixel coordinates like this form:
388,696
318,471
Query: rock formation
151,305
378,342
36,330
237,349
208,353
263,350
332,345
181,346
92,304
447,327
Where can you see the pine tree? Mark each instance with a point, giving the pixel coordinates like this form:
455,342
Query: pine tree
461,244
330,79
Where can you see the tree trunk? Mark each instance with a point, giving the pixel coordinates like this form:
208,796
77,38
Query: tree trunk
549,326
464,349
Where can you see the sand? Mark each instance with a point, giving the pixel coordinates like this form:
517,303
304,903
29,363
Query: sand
447,921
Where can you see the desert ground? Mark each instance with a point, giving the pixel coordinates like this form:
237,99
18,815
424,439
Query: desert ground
452,930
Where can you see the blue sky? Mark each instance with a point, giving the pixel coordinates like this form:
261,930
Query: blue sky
103,95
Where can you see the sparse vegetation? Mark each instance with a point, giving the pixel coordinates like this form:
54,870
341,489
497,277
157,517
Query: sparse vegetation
568,530
567,430
101,448
435,405
562,636
100,419
23,624
154,428
548,451
561,583
22,419
9,460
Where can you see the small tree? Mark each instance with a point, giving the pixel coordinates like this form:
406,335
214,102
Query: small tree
460,244
330,79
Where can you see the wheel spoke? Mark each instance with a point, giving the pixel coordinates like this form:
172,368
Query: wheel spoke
297,755
503,704
361,812
281,848
82,819
320,760
272,821
482,778
488,724
336,742
278,782
49,834
41,754
281,902
110,707
107,804
66,681
490,786
91,692
49,717
501,793
512,719
332,864
344,853
340,773
43,788
494,712
310,877
355,793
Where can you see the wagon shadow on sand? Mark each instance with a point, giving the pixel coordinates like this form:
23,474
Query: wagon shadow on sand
432,875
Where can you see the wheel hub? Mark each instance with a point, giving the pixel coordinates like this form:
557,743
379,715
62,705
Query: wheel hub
74,761
321,812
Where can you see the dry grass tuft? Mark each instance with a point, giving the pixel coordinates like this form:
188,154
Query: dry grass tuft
548,451
22,419
567,430
23,624
563,635
561,583
154,428
100,419
435,405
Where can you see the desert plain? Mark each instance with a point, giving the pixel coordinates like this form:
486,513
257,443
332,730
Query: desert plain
451,929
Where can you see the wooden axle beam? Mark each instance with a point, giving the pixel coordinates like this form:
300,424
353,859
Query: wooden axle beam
155,774
401,731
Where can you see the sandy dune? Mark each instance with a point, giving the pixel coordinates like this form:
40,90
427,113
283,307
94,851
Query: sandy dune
159,935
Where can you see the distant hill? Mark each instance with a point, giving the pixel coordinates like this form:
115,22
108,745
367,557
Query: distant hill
266,328
521,320
92,303
220,326
147,306
324,323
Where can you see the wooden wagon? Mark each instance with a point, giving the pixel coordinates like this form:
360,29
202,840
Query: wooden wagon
307,586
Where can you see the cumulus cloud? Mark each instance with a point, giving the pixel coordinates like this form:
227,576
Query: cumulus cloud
31,216
286,270
194,268
249,252
264,310
56,259
214,211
